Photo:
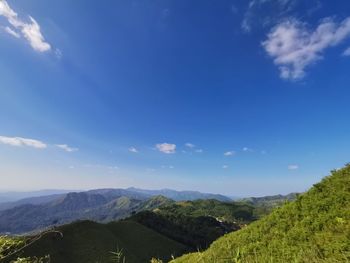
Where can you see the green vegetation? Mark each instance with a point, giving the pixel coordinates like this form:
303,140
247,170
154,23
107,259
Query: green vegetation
195,232
314,228
11,248
264,205
87,241
225,211
196,223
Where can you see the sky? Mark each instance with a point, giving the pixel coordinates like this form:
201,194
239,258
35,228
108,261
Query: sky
243,98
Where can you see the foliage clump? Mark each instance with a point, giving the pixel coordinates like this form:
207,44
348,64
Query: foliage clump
11,248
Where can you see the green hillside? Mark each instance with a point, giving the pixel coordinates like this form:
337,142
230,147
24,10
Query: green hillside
226,211
195,232
86,241
314,228
266,204
196,223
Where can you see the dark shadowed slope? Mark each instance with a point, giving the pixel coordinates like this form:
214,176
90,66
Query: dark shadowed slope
86,241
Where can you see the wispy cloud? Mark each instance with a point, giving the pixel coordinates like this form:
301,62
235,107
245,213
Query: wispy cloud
256,14
229,153
133,150
167,148
19,28
234,9
225,166
246,149
347,52
12,32
294,47
108,168
293,167
192,148
66,148
19,141
167,167
190,145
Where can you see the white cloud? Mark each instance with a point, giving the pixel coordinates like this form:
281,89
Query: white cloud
12,32
66,148
18,141
29,30
167,148
225,166
293,167
294,47
190,145
347,52
133,150
229,153
198,150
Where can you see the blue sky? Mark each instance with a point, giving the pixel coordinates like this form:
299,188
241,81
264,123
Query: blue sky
234,97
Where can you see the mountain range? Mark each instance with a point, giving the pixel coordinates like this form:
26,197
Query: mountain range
131,224
100,205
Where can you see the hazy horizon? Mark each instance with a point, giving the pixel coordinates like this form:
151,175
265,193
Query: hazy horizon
43,192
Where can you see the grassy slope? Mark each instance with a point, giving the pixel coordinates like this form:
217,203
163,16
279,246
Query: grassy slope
314,228
86,241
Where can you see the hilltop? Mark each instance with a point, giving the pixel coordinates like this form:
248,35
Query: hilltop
313,228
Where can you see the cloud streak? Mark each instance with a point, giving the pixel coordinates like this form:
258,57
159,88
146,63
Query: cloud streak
293,167
66,148
294,47
33,143
20,142
19,28
133,150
